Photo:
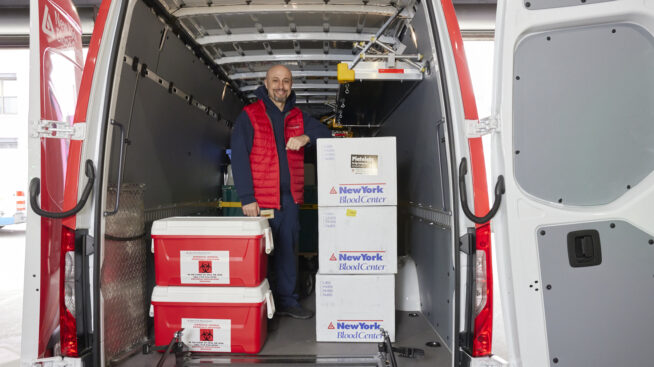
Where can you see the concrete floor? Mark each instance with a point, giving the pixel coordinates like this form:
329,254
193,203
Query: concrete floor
12,263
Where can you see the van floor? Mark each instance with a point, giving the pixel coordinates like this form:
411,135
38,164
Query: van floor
292,341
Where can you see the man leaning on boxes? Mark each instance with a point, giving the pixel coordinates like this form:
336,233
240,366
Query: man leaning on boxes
267,145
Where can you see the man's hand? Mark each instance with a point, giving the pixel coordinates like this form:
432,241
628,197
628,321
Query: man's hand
251,210
297,142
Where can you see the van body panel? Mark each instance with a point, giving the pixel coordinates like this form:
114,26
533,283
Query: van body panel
177,114
32,274
56,79
572,95
481,318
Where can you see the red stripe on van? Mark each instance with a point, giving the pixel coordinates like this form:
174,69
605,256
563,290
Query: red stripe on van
483,328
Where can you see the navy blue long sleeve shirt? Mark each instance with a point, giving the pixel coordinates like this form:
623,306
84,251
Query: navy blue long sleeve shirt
243,136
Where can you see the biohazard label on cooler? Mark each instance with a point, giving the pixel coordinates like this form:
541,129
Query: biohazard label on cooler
207,335
204,267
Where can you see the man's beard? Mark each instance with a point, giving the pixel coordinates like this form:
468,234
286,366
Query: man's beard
277,99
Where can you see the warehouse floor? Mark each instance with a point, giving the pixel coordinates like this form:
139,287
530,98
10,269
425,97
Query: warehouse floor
292,341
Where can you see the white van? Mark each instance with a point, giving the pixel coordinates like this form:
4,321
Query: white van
144,139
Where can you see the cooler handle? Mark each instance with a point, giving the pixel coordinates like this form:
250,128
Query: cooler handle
270,246
270,303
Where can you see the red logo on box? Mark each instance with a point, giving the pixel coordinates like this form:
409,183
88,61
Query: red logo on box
205,266
333,191
206,335
331,326
333,258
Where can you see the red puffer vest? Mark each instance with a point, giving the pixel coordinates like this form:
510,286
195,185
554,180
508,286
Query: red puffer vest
264,161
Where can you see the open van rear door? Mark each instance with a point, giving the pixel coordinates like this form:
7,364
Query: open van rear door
574,140
56,62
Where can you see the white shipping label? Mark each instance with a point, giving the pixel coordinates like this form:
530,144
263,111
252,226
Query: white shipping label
207,335
364,164
204,267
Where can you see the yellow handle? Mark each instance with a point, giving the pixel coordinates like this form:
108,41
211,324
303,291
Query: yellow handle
229,204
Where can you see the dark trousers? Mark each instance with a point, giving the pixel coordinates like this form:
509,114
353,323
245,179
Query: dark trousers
283,262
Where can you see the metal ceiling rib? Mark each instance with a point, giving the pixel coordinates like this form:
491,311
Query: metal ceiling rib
192,9
288,36
285,55
296,74
245,37
297,86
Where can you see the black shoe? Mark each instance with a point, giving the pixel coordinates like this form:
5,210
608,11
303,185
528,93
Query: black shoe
296,312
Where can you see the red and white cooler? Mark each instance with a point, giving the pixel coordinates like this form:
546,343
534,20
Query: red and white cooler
217,319
211,251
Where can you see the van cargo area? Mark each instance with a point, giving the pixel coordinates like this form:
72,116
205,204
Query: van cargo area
184,71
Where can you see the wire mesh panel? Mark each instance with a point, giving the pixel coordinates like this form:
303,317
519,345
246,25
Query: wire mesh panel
124,273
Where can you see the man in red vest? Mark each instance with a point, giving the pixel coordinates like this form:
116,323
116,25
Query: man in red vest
267,145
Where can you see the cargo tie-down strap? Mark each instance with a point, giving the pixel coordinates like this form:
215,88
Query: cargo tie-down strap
237,204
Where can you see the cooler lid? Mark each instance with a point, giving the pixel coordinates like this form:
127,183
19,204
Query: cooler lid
210,226
212,294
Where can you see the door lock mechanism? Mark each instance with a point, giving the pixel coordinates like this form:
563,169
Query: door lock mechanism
584,248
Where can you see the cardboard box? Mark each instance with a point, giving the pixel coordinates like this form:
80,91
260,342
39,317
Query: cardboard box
357,171
353,308
357,240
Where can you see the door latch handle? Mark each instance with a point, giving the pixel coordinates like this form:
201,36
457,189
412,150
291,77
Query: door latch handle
35,190
499,191
584,248
123,141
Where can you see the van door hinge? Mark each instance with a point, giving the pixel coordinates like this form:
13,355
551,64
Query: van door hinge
477,128
59,130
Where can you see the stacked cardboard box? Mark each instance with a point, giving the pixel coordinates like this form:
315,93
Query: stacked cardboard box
357,222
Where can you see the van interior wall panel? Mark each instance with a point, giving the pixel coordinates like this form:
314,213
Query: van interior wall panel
570,84
122,115
362,100
418,124
421,155
125,292
174,148
422,182
432,253
145,32
590,308
188,73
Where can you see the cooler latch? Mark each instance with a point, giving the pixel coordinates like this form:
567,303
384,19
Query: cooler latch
270,246
270,303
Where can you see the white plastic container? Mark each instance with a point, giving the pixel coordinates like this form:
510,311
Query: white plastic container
354,308
214,319
357,172
357,240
